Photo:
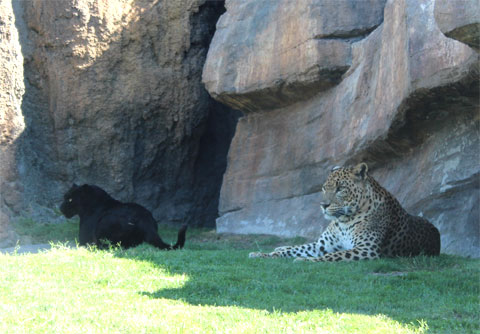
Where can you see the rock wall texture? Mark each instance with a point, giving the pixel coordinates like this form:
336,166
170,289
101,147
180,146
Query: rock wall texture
325,83
11,118
113,97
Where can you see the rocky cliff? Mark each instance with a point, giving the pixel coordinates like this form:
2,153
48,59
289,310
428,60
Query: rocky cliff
11,119
325,83
110,93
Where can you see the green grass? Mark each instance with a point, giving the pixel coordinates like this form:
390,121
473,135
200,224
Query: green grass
212,287
30,231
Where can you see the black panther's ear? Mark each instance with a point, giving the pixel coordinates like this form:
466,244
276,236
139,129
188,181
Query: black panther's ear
360,170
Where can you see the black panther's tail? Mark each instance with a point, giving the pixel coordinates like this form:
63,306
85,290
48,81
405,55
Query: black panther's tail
155,240
181,237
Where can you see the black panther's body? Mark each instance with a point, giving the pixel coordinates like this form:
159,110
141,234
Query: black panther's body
103,217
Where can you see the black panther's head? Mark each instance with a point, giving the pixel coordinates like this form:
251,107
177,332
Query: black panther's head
80,200
71,202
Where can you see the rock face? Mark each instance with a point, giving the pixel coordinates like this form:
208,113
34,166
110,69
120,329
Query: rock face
113,96
459,20
265,57
11,118
390,88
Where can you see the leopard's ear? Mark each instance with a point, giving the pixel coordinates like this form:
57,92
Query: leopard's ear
360,170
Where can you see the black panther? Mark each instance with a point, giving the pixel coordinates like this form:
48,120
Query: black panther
104,218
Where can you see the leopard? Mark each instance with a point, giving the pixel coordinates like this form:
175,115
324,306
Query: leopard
366,222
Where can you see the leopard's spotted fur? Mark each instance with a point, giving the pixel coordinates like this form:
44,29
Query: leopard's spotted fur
367,223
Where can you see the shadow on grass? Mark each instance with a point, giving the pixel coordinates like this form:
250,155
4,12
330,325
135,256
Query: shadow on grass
443,291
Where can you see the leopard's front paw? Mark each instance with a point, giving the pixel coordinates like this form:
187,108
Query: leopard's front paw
254,255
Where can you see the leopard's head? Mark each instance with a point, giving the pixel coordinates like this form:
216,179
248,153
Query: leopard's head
344,191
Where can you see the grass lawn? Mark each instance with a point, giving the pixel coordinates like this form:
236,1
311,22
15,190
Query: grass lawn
212,287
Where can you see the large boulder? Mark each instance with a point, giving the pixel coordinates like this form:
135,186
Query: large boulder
406,102
264,56
113,97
